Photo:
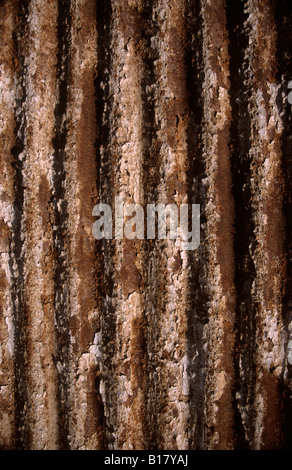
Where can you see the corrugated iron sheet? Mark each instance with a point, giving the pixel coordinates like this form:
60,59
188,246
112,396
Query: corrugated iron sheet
139,344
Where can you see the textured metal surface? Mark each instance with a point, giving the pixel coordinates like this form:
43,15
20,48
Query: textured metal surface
138,344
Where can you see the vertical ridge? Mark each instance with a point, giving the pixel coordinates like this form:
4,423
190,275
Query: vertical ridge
267,200
85,416
127,156
219,214
37,232
171,117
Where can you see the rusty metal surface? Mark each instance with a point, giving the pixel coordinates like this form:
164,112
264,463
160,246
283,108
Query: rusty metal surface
139,344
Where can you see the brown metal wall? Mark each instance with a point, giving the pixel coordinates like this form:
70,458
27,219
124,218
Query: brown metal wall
138,344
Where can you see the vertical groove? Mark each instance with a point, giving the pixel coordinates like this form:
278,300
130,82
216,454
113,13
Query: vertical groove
105,249
199,296
152,257
16,262
60,214
244,226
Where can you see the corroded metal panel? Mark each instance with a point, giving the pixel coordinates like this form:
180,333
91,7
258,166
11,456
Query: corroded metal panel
132,342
